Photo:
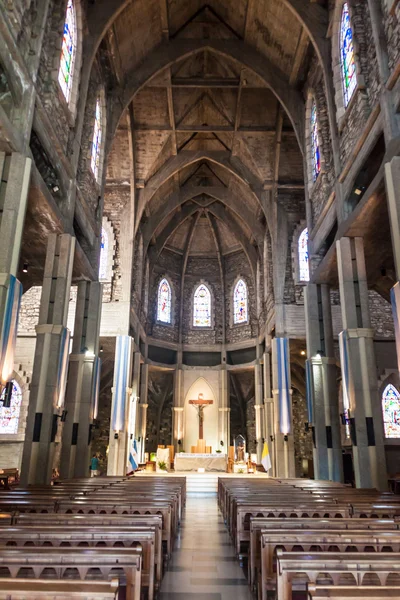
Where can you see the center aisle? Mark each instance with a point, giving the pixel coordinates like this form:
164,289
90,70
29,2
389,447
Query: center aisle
203,564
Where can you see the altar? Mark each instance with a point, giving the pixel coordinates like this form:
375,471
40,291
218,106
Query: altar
192,462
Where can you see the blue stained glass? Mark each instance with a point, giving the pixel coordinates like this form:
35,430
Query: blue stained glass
391,411
164,302
103,255
347,60
202,307
315,152
304,269
96,144
9,417
68,52
240,307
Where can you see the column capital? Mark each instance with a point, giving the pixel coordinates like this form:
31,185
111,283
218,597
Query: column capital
178,409
48,328
258,406
223,409
143,405
360,332
322,360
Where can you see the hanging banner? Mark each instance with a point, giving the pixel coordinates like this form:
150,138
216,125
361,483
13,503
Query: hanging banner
10,328
282,353
121,381
310,391
96,386
63,362
395,299
344,363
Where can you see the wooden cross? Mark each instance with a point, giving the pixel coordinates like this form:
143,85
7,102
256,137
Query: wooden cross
200,404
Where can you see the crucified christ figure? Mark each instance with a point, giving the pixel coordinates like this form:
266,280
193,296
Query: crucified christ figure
200,405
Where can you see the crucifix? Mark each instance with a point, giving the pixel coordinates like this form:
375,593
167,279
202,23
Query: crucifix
200,405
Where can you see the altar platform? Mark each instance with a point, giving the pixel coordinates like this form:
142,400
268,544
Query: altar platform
189,462
202,484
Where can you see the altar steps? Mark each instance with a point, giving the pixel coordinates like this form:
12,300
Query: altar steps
202,484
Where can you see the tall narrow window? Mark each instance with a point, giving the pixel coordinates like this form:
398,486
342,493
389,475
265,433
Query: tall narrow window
68,52
240,309
391,411
96,144
315,152
304,269
164,302
103,266
9,416
347,60
202,307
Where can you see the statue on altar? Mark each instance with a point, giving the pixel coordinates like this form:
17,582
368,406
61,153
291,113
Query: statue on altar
200,404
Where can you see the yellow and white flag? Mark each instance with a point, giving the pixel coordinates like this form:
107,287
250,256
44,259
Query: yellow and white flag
266,459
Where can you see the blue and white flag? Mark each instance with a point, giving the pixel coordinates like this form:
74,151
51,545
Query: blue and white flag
309,391
282,354
344,363
133,456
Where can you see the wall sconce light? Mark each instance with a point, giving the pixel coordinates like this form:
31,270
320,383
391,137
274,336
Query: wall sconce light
179,442
116,435
306,427
272,438
221,443
63,416
25,268
286,437
101,349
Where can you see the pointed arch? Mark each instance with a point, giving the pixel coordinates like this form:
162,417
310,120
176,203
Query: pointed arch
314,139
347,56
302,256
391,411
164,302
202,307
67,66
240,303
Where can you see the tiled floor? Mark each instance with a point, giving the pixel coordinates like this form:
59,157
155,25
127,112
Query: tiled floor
203,565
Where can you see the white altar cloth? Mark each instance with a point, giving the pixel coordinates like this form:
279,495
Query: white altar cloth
192,462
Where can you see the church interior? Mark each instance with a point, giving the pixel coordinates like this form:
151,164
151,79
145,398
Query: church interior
199,299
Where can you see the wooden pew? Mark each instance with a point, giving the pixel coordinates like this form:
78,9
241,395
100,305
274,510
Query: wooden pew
87,536
296,569
316,592
53,589
71,563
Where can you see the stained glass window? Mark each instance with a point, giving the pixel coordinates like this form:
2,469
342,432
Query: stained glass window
304,270
347,61
391,411
164,302
202,307
9,417
240,310
68,52
103,255
96,144
315,153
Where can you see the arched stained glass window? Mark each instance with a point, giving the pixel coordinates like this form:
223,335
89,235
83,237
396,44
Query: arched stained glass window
96,144
103,255
304,269
68,52
202,307
347,60
315,152
9,416
391,411
240,308
164,302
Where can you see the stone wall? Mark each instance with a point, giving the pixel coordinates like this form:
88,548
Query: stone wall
381,315
303,447
251,446
169,265
392,29
159,411
115,201
235,266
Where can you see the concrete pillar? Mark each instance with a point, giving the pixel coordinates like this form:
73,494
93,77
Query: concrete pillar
15,170
224,414
46,401
144,387
321,366
123,408
269,420
283,440
83,368
178,425
359,370
259,409
392,180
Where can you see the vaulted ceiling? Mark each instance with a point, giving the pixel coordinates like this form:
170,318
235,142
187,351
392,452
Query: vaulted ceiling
210,125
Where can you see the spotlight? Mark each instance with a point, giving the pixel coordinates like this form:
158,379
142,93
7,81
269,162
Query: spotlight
358,192
25,268
303,352
101,349
56,189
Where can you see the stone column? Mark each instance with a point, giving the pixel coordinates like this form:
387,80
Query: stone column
15,170
223,414
144,387
259,409
44,404
321,366
359,370
392,180
123,408
269,420
283,440
178,426
79,397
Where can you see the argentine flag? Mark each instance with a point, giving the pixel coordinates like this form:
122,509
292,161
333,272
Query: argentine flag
133,456
266,459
